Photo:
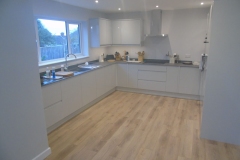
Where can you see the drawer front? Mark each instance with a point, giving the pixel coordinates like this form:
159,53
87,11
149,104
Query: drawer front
152,85
52,94
152,68
54,114
152,76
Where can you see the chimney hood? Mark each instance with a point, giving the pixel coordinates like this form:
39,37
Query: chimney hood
156,23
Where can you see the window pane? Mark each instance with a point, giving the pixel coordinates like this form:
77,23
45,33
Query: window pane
52,39
74,38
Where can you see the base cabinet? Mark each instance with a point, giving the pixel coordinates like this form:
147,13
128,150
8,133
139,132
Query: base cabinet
54,114
133,76
110,77
172,79
122,75
101,81
151,85
89,87
66,97
105,79
71,95
189,80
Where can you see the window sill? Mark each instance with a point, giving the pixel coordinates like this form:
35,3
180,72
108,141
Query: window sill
56,62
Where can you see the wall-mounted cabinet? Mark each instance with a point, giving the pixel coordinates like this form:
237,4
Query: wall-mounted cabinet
125,32
100,32
104,32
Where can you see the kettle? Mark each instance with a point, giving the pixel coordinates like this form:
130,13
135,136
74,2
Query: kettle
101,58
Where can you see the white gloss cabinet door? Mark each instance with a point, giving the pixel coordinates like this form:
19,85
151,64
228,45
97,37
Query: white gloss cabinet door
52,94
89,87
132,76
172,79
54,113
116,32
131,32
71,94
100,32
189,80
110,77
101,81
105,32
122,75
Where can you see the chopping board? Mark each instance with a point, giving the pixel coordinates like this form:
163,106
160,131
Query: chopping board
64,74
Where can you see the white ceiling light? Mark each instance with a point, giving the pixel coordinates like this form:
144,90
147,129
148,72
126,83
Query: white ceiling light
119,9
202,3
157,6
96,1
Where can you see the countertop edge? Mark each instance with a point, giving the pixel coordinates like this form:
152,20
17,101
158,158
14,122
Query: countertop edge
104,64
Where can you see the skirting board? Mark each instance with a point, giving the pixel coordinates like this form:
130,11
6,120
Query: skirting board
166,94
58,124
43,155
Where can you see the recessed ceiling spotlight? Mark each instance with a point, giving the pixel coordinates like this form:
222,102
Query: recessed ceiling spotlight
96,1
157,6
119,9
202,3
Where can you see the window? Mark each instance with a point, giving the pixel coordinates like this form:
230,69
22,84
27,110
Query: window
56,39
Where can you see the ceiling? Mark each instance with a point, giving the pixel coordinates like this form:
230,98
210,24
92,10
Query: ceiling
109,6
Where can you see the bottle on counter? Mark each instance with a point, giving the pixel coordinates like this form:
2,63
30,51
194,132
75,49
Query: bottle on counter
48,73
62,68
53,73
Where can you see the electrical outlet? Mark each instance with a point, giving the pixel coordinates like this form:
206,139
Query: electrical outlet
187,55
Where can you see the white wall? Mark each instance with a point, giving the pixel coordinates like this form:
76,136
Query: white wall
23,133
221,111
187,31
52,9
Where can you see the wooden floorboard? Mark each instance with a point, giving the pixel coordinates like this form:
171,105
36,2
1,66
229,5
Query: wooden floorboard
131,126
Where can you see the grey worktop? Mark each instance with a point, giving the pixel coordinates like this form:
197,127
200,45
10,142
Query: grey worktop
104,64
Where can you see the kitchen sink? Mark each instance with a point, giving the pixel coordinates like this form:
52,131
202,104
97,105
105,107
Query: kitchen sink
81,69
88,66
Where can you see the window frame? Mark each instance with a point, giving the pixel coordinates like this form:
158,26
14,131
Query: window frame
59,60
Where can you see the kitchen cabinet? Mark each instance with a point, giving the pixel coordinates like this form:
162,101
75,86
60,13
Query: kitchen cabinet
151,85
101,81
110,77
71,95
189,80
116,32
89,87
172,79
125,32
152,68
54,113
52,94
152,78
105,79
131,32
122,75
100,32
133,76
53,106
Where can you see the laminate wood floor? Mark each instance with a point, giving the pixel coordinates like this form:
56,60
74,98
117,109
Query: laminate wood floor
130,126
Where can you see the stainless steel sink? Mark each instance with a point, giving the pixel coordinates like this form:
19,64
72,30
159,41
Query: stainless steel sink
88,66
76,70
